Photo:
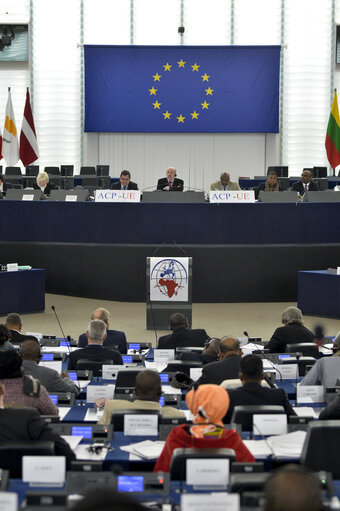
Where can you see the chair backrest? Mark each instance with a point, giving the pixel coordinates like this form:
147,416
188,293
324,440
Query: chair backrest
103,170
308,349
244,414
90,181
66,170
92,365
52,170
236,383
87,171
11,454
117,418
126,380
321,449
302,363
13,171
178,466
32,170
182,366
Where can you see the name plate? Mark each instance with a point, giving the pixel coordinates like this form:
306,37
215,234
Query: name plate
8,501
270,424
110,371
287,372
310,394
140,425
238,196
43,469
71,198
163,356
218,501
94,392
56,365
12,267
117,196
27,196
208,472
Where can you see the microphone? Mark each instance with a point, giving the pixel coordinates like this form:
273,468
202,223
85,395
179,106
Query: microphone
149,188
56,316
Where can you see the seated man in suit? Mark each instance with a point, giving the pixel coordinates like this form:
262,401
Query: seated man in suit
293,331
292,488
14,325
170,183
227,368
124,182
270,185
224,183
305,184
326,370
181,335
52,381
114,337
26,425
148,391
252,393
96,334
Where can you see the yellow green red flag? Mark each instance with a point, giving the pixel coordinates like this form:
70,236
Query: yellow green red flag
333,135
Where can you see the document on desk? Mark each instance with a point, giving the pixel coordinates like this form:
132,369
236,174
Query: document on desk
250,347
156,367
305,411
259,448
147,449
63,411
72,440
82,383
289,445
93,414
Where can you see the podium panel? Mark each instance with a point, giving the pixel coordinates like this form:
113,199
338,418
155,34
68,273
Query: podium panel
167,275
160,196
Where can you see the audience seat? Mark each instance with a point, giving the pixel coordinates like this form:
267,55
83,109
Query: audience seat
321,449
92,365
12,452
244,414
308,349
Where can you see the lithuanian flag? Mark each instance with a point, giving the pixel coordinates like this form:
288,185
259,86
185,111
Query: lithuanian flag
333,135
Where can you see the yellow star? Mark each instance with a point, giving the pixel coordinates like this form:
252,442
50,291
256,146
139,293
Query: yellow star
156,105
194,115
156,77
205,105
195,67
181,63
167,67
205,77
167,115
209,91
153,91
180,118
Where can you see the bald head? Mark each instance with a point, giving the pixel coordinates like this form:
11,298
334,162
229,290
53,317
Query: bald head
229,346
30,350
213,348
148,386
177,320
225,178
292,489
102,314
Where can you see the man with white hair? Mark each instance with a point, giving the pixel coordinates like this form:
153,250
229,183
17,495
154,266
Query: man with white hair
113,338
170,183
96,334
326,370
291,332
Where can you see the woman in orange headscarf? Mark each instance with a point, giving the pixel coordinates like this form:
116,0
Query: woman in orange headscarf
209,404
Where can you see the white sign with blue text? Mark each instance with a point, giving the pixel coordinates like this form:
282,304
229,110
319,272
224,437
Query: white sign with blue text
235,196
117,196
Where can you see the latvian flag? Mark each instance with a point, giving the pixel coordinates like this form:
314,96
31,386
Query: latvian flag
28,139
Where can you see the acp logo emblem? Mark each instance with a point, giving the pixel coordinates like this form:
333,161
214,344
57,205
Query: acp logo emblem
169,276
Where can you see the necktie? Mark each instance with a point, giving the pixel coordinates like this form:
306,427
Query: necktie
170,184
306,188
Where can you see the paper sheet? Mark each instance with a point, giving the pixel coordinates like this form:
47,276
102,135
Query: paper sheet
73,441
147,449
167,389
63,411
258,448
305,411
93,415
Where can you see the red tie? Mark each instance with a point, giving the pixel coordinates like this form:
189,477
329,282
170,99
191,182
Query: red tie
170,184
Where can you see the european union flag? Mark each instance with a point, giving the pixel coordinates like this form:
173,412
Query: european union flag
177,89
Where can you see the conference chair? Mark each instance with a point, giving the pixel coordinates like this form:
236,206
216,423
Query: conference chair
90,181
87,171
66,170
126,380
302,363
182,366
321,448
117,418
11,454
178,466
32,170
13,171
103,170
244,414
52,170
320,172
92,365
308,349
104,182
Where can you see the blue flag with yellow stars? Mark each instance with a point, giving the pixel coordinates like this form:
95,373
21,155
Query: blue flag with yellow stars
182,89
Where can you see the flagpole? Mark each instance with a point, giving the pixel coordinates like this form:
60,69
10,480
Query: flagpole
332,103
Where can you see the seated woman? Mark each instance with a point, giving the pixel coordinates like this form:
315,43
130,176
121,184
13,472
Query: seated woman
271,185
43,183
209,404
293,331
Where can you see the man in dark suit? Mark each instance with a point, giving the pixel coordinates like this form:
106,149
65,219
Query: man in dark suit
26,425
227,368
49,378
181,335
170,183
293,331
252,393
114,337
124,182
96,334
305,184
14,325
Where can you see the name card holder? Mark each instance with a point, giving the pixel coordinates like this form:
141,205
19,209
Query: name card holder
12,267
163,356
117,196
43,470
234,196
287,371
310,394
208,473
71,198
269,424
8,501
110,372
27,196
140,425
94,392
218,501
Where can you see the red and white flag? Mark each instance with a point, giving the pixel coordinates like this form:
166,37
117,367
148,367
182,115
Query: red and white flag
28,139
